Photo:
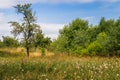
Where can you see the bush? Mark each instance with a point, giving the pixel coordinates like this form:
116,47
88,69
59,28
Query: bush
94,48
80,51
42,52
10,42
2,44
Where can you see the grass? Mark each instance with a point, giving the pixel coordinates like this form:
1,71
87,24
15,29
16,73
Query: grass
59,67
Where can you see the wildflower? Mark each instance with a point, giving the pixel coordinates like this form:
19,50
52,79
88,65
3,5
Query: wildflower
77,67
112,67
78,77
55,68
22,70
43,75
105,65
12,77
75,73
117,74
100,66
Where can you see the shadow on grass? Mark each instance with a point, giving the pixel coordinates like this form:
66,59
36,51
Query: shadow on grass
8,54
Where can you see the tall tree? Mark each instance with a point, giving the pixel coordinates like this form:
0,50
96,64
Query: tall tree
28,27
71,36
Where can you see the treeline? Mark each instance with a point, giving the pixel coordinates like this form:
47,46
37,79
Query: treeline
11,42
80,38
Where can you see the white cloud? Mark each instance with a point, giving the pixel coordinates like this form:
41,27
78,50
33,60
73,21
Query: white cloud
7,3
4,30
111,1
10,3
2,21
65,1
51,30
4,26
89,18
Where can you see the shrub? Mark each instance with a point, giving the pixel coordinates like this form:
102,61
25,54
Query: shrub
94,48
80,51
42,52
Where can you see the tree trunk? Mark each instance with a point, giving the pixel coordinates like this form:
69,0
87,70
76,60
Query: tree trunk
27,50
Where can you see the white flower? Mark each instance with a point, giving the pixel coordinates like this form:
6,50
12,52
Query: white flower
117,74
43,75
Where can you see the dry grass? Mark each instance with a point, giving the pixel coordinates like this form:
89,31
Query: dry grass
38,54
59,67
22,51
13,50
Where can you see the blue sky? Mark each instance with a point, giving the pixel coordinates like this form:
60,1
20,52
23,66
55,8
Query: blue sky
52,15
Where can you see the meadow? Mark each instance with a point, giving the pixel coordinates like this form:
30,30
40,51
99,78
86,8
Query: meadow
14,65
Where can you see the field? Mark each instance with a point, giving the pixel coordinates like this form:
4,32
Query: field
15,66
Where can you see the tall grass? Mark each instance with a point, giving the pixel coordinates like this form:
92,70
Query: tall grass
12,52
59,67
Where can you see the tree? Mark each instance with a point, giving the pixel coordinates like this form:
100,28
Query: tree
100,45
41,41
1,44
60,45
38,39
71,36
10,42
45,42
28,27
111,28
79,38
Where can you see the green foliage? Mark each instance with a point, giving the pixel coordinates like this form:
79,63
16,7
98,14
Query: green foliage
80,38
99,46
1,44
9,42
80,51
45,42
59,45
42,52
94,48
41,41
65,41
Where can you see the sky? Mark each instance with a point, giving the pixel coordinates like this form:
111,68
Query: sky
52,15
